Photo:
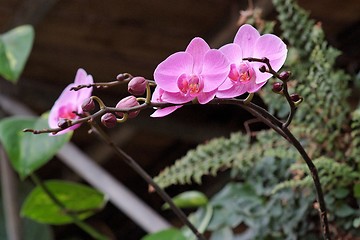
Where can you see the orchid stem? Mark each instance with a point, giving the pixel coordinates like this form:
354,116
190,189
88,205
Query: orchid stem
138,169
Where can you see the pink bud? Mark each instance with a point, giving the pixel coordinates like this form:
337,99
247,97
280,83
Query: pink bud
108,120
121,77
64,123
88,105
284,75
295,97
128,102
277,87
137,86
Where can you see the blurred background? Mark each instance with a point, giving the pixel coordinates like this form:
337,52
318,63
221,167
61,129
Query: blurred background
111,37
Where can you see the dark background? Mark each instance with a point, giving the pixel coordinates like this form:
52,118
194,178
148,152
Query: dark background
109,37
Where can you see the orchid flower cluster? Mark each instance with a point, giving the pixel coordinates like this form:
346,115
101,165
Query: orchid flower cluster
198,73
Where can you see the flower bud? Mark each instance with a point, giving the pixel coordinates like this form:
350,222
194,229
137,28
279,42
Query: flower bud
262,69
277,87
64,123
285,75
296,98
137,86
121,77
108,120
128,102
88,105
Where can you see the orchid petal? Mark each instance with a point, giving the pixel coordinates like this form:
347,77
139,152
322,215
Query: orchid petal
253,87
168,71
232,52
246,38
215,70
234,91
197,48
273,48
164,111
206,97
226,85
260,76
176,98
82,78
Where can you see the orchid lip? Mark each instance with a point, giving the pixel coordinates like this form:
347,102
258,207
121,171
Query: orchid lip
242,73
190,84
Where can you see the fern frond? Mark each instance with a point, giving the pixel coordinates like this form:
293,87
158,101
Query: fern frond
221,153
205,159
324,111
332,175
355,137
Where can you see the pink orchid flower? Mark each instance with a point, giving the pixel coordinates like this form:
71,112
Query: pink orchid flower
244,76
157,97
69,102
194,74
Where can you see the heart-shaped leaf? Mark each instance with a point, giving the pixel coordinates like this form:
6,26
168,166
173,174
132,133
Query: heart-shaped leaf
78,199
167,234
26,151
189,199
15,47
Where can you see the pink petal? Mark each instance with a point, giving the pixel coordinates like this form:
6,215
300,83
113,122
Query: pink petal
273,48
260,76
156,96
234,91
82,78
215,70
226,85
197,48
246,38
176,98
164,111
168,71
232,52
204,98
253,87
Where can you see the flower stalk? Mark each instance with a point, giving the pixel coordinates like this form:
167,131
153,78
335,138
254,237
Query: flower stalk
139,170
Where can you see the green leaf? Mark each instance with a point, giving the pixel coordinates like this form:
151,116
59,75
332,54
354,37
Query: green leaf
356,222
357,190
78,199
15,47
168,234
344,210
341,192
189,199
28,152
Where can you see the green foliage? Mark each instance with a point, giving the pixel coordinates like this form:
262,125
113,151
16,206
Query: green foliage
77,199
28,152
275,195
205,159
251,202
324,112
15,47
355,137
168,234
333,175
189,199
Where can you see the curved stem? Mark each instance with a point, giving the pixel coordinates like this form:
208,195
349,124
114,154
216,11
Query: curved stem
81,224
138,169
315,177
